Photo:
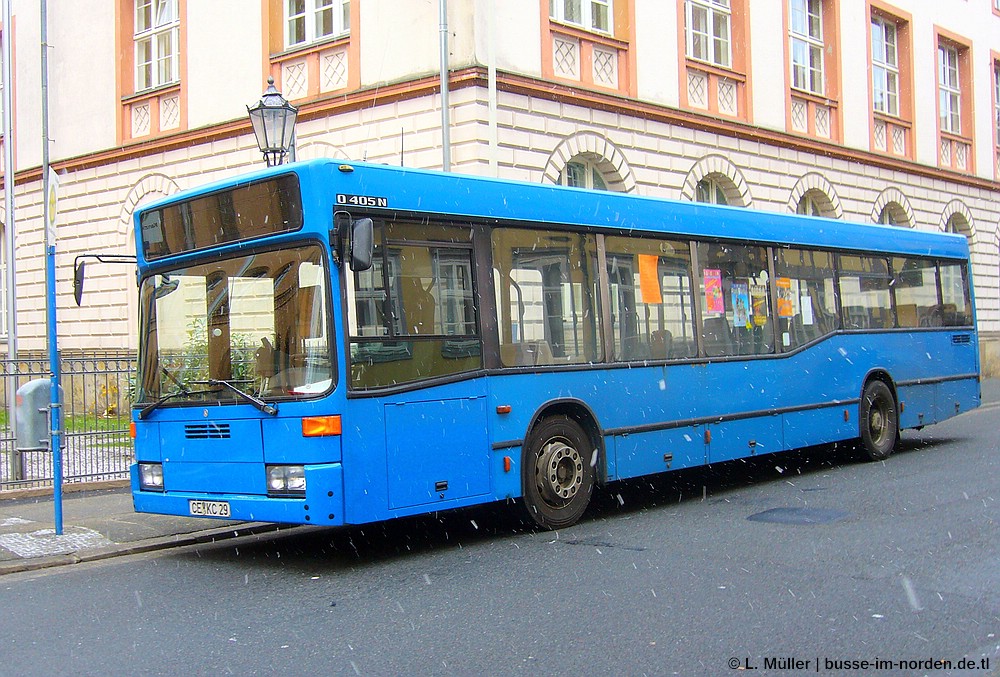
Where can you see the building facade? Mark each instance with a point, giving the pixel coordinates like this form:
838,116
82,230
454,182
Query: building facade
856,109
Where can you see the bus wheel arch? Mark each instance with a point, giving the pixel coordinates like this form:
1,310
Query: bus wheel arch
878,416
561,461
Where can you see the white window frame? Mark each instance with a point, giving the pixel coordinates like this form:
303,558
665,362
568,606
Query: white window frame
996,99
156,45
309,18
806,37
704,45
582,173
949,89
885,66
590,15
709,190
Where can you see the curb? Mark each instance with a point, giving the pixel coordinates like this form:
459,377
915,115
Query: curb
70,488
143,546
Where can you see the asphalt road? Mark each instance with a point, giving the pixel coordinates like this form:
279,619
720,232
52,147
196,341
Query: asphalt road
801,563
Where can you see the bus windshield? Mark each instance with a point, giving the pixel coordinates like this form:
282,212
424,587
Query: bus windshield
243,212
257,322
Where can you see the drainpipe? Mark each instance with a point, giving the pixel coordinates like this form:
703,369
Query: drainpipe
445,122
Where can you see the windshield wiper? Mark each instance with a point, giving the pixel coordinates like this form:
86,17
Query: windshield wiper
145,411
260,404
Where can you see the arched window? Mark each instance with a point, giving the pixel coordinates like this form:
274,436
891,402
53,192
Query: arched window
716,180
956,224
582,173
892,215
710,190
808,206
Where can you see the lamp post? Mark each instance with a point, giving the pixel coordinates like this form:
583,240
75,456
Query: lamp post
273,120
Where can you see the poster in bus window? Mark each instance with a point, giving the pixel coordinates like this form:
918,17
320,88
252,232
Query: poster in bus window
786,300
805,302
740,297
713,291
649,282
758,303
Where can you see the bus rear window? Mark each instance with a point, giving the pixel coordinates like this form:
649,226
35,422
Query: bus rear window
247,211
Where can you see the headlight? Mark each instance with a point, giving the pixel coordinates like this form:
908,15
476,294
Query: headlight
151,476
286,480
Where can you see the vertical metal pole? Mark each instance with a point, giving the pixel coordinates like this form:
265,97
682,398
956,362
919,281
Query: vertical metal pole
55,418
8,182
445,122
491,85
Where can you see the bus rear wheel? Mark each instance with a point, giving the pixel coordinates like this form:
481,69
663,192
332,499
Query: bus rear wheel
879,421
557,473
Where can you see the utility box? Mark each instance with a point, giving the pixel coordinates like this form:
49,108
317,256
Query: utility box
31,414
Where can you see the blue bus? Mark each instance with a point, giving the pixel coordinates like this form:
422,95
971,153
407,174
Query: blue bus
338,343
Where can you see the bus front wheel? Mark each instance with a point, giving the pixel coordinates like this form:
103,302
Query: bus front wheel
879,421
558,472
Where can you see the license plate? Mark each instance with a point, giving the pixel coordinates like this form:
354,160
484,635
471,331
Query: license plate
209,508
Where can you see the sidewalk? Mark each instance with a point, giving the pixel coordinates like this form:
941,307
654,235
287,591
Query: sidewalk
97,525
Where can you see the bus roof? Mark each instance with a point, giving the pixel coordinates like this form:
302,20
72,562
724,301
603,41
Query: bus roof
502,200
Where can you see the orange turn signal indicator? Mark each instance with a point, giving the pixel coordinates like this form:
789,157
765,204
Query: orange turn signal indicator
320,426
131,430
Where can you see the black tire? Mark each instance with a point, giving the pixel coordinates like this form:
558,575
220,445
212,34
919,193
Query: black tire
879,421
557,472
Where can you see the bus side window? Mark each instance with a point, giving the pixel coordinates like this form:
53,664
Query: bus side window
864,292
547,305
652,311
955,297
414,314
915,285
807,306
735,300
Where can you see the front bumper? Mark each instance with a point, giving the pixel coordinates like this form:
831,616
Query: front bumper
323,503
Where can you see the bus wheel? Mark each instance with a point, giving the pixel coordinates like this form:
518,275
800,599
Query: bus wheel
557,474
879,422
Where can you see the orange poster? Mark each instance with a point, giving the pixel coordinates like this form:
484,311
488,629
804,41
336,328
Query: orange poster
786,306
649,282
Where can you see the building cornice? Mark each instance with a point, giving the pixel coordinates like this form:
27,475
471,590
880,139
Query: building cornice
532,87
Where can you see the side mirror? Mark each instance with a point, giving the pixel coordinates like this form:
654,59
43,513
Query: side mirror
78,281
362,244
103,258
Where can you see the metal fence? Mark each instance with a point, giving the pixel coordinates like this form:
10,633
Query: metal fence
97,393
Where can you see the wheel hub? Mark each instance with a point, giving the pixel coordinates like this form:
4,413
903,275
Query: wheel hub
559,471
876,421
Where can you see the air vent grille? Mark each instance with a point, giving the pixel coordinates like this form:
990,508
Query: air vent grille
961,339
207,431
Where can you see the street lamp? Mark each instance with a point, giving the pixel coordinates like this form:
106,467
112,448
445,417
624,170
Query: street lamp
273,120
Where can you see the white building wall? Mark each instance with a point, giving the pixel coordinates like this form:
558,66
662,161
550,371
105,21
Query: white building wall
224,66
82,104
27,74
767,64
856,103
658,76
517,35
402,42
